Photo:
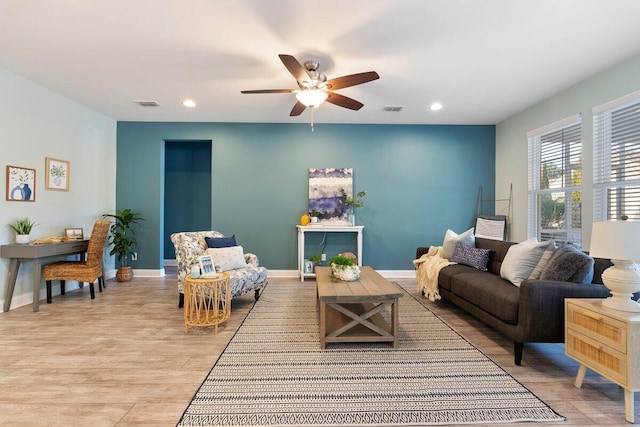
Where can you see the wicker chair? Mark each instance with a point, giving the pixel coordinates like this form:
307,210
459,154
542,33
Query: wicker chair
82,271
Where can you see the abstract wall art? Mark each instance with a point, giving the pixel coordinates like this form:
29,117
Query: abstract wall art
324,193
21,184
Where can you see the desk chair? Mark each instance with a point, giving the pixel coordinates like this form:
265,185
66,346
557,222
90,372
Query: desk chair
82,271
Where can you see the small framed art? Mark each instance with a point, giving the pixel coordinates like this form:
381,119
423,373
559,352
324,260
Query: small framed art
56,174
308,266
206,266
21,184
73,233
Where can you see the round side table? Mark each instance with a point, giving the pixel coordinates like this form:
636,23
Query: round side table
207,301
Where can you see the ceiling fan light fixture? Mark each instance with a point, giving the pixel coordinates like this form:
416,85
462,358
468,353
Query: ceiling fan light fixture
311,98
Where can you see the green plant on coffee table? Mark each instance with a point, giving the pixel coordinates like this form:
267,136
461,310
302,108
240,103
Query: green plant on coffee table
22,226
342,261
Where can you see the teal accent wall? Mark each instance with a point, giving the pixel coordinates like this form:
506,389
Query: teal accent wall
420,180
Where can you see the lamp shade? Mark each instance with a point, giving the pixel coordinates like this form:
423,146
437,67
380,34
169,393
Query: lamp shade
312,98
615,240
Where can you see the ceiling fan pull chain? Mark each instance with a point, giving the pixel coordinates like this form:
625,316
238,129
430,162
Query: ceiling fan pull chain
312,118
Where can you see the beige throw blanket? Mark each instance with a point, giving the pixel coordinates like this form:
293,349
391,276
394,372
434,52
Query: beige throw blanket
428,267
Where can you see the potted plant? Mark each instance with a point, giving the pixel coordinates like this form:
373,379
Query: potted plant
123,240
344,268
315,214
315,260
352,203
22,227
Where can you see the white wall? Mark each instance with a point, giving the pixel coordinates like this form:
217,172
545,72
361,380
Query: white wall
36,123
511,140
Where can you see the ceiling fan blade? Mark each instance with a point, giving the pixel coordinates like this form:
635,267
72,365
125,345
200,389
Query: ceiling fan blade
268,91
344,101
297,109
295,68
352,80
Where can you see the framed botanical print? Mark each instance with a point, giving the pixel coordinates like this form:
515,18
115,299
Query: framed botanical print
21,184
56,174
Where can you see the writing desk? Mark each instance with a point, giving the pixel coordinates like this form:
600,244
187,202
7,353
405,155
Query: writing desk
35,253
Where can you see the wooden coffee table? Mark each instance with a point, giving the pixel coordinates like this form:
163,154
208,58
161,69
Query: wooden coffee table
350,311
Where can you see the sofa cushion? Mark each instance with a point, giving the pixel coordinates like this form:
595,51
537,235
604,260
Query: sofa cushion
226,259
568,264
473,257
488,292
499,250
544,259
449,272
521,259
451,239
221,242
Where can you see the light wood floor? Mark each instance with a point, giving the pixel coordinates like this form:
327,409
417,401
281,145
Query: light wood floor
124,359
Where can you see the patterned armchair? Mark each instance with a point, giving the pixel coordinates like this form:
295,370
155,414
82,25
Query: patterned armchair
190,244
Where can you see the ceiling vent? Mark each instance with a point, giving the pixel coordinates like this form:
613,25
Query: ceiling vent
393,108
147,103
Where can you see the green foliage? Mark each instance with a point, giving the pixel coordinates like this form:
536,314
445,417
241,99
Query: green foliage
342,261
22,226
122,233
351,202
315,213
316,258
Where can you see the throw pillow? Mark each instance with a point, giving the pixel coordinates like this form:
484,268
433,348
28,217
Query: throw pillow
535,274
473,257
521,259
569,264
226,259
221,242
451,239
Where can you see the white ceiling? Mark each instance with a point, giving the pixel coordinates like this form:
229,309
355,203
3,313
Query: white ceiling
485,60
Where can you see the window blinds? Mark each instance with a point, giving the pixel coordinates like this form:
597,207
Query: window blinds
616,159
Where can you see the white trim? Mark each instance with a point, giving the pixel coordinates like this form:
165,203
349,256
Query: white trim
556,125
148,273
611,104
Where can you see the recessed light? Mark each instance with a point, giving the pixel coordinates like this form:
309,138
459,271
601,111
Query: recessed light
436,106
190,103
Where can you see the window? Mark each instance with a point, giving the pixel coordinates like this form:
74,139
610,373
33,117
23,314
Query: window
616,159
555,181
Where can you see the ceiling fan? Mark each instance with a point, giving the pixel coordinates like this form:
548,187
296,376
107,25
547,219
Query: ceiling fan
314,88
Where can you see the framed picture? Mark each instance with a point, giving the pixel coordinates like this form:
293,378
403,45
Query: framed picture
56,174
73,233
206,266
21,184
308,266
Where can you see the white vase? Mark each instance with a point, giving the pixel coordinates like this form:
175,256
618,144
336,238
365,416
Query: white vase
346,273
22,239
195,271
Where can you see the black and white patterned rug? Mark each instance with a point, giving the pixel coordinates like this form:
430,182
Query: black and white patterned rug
273,373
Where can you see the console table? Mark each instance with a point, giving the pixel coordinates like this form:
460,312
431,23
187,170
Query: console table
34,253
302,229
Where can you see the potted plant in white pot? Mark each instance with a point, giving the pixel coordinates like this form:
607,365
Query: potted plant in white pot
344,268
123,240
22,227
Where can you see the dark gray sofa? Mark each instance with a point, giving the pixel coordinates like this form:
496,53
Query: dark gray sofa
534,312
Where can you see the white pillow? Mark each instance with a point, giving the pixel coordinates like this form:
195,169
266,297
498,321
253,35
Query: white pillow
521,259
451,239
226,259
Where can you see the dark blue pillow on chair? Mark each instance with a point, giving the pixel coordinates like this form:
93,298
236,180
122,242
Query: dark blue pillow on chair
221,242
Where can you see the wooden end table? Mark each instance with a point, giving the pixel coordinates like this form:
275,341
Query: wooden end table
606,341
207,301
350,311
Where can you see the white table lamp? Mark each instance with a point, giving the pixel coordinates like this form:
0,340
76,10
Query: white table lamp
620,242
